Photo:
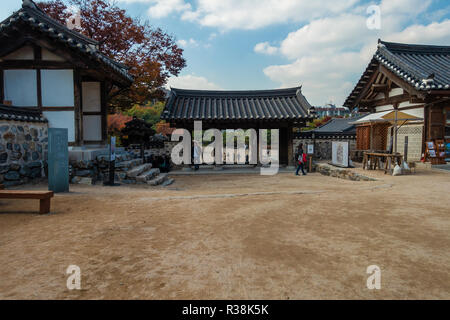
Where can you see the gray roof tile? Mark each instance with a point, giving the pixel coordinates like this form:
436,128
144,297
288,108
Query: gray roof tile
32,15
236,105
425,67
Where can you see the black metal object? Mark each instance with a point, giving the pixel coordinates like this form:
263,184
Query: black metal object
405,150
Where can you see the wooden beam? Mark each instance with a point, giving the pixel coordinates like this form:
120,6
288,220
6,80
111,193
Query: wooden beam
57,108
39,88
379,87
35,64
401,82
381,102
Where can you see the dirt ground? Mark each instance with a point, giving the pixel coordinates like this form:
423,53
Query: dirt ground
233,237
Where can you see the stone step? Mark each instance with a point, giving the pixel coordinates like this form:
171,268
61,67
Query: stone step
128,164
136,171
147,175
168,182
161,178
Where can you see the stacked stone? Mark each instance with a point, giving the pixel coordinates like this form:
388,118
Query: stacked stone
342,173
93,171
23,150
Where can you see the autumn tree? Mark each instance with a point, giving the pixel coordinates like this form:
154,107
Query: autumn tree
151,54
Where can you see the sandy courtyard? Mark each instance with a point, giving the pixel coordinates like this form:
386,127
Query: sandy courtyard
233,237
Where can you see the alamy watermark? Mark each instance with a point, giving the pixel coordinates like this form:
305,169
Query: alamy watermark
374,280
74,278
241,147
374,20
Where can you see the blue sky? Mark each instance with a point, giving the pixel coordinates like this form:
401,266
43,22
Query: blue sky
260,44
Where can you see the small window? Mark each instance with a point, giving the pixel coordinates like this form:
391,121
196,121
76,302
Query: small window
57,88
20,87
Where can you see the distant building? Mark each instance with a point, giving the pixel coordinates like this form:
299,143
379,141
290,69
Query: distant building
343,130
331,110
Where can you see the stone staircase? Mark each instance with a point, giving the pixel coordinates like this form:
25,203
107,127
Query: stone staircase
127,171
141,173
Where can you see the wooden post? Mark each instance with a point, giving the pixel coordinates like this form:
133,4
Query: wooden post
371,137
395,128
290,155
78,107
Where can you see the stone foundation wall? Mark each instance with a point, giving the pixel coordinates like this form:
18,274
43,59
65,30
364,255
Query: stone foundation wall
97,170
342,173
322,150
23,151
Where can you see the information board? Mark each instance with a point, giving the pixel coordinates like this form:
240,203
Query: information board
58,160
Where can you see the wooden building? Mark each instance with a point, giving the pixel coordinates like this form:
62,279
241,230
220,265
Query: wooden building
281,109
412,84
47,67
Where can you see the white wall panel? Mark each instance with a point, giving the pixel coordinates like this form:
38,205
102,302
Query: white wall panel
384,108
20,87
396,92
24,53
50,56
62,119
57,88
92,128
91,96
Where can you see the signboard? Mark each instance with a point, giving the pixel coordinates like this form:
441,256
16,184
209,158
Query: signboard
310,149
58,160
339,154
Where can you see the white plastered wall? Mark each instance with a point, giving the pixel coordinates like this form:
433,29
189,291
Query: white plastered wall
92,128
62,119
20,87
57,88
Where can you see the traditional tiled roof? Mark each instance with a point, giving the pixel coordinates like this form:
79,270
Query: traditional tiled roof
338,125
21,114
424,67
32,15
281,104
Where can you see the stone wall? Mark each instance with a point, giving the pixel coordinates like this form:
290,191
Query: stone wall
341,173
322,150
23,151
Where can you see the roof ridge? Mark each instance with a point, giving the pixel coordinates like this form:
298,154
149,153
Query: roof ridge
419,48
38,11
287,91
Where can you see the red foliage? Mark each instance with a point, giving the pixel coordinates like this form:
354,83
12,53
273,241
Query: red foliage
116,122
164,128
152,54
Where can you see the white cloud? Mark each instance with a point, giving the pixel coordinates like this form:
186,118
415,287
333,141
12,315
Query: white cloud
191,82
329,54
187,43
435,33
162,8
254,14
265,48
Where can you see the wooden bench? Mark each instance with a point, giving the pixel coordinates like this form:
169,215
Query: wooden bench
43,196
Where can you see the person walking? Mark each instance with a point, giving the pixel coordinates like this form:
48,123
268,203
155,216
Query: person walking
197,152
300,156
